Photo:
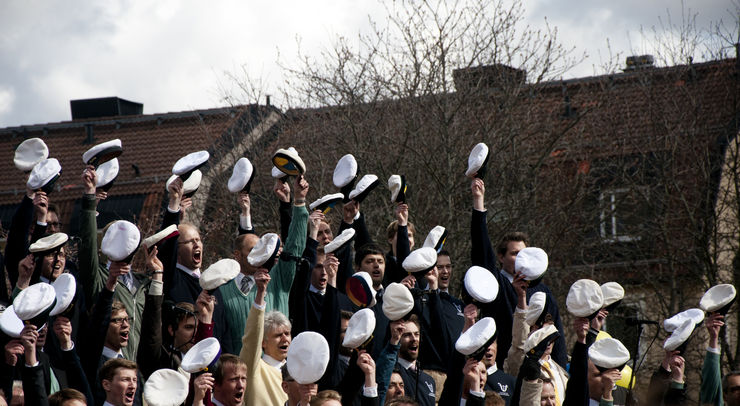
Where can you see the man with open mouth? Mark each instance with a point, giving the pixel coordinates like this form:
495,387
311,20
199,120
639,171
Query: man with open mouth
120,381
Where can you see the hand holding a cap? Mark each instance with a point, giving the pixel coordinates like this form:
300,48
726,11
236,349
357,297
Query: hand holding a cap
432,278
29,335
598,321
204,305
300,192
349,211
402,214
677,368
154,264
242,198
40,206
607,382
478,189
409,281
473,372
331,266
282,191
63,331
13,350
314,220
261,279
307,392
89,180
367,366
714,323
185,204
520,287
580,326
175,191
470,313
203,383
398,327
117,268
25,271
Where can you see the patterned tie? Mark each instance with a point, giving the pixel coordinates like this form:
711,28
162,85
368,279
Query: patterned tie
246,285
546,366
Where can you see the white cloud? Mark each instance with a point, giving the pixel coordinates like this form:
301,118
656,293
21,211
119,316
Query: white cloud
7,97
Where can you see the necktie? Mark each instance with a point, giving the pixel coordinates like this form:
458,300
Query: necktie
546,366
246,285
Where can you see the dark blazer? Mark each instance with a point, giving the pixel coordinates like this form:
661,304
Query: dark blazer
426,386
501,383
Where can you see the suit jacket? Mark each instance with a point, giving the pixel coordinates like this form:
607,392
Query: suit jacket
501,383
426,386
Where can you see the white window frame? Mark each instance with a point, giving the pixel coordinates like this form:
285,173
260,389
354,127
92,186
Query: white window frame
608,217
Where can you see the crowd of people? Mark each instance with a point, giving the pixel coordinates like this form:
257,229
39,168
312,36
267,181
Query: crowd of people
313,313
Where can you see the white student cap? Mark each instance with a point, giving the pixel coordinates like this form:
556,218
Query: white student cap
718,299
538,341
532,263
121,241
102,153
679,338
480,284
107,173
166,387
360,289
48,244
673,323
420,261
397,301
476,340
359,329
364,187
536,308
35,302
242,176
398,187
613,294
185,166
308,356
219,273
44,175
288,161
477,161
202,356
65,288
345,174
585,298
436,238
326,203
608,353
29,153
10,323
161,236
264,252
340,241
189,185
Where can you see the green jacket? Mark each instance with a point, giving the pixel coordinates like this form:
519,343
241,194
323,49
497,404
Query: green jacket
93,275
710,391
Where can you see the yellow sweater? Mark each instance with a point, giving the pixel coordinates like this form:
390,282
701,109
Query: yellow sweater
264,382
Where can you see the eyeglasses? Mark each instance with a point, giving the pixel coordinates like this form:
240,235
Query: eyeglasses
120,320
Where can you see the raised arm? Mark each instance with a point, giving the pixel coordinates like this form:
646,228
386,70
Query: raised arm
150,344
245,216
282,191
91,275
481,251
710,391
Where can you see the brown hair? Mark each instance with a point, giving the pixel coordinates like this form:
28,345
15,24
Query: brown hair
402,401
117,306
515,236
64,395
324,396
108,370
218,369
393,229
494,399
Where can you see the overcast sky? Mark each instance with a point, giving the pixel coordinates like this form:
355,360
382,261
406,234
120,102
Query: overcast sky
172,55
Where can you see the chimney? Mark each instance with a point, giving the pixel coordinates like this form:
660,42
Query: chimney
104,107
639,62
488,77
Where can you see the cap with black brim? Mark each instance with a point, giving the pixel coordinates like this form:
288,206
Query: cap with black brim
326,203
189,185
264,253
107,173
33,304
538,341
397,185
364,187
161,236
29,153
673,323
65,288
165,387
436,238
102,153
474,342
537,309
360,290
308,357
397,301
420,261
532,263
241,177
185,166
44,175
219,273
10,323
48,244
121,241
345,175
360,329
608,353
477,161
202,356
288,161
340,241
718,299
479,286
679,338
613,294
585,299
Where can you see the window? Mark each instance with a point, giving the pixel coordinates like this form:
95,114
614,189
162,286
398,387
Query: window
623,213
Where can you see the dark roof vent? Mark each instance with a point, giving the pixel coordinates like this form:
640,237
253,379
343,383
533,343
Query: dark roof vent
488,77
104,107
639,62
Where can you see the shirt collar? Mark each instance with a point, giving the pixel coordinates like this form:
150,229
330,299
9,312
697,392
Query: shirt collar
445,291
195,273
492,369
215,401
344,359
272,361
405,364
508,276
42,279
108,352
313,289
